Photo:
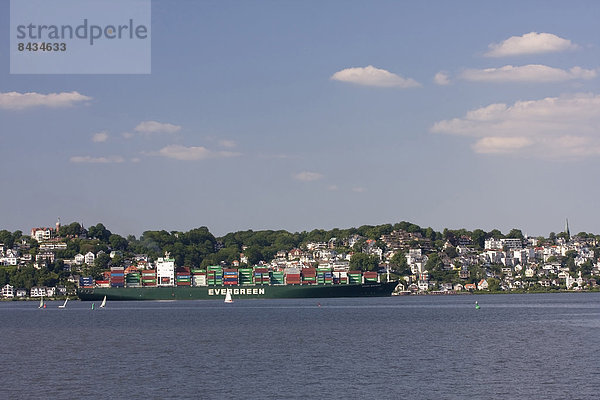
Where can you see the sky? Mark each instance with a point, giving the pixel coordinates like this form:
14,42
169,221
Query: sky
302,115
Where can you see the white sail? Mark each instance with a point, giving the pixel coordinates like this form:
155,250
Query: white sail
64,304
41,302
228,298
103,302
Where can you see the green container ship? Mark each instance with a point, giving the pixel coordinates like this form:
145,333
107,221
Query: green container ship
372,289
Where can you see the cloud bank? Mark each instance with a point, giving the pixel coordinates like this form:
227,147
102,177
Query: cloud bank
20,101
371,76
97,160
156,127
553,127
527,73
308,176
441,78
100,137
530,43
192,153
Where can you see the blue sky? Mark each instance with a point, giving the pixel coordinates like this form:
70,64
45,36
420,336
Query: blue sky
299,115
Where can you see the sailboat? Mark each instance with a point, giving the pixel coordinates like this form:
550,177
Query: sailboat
103,302
64,304
41,302
228,298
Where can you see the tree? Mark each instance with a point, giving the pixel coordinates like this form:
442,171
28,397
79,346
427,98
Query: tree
451,252
515,234
496,234
398,260
364,262
6,238
493,284
117,242
99,231
102,261
253,254
434,263
73,230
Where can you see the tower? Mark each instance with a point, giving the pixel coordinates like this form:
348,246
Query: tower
567,233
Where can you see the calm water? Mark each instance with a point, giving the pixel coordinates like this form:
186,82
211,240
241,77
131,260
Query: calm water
430,347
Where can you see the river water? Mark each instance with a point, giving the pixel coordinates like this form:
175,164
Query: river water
542,346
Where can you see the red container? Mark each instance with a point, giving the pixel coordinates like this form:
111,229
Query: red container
309,272
292,279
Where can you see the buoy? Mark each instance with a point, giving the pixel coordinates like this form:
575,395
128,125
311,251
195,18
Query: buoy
476,306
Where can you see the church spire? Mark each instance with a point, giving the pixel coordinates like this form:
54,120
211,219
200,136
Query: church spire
567,233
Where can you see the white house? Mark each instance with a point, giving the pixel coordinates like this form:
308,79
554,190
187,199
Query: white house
11,257
89,258
79,259
40,234
8,291
38,291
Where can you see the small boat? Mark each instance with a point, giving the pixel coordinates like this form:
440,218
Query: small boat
228,298
477,305
64,304
42,305
103,305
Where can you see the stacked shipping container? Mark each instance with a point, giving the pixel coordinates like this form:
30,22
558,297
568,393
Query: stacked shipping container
230,276
246,276
133,279
214,275
148,277
183,276
199,277
117,277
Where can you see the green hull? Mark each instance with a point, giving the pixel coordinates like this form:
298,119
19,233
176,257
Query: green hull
239,292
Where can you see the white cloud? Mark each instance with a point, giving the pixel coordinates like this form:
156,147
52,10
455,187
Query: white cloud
100,137
553,127
332,187
127,135
495,144
156,127
371,76
527,73
97,160
441,78
227,143
19,101
358,189
192,153
307,176
530,43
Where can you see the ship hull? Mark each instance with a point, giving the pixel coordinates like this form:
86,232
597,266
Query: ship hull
238,292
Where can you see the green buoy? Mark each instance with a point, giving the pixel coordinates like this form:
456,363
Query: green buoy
476,306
